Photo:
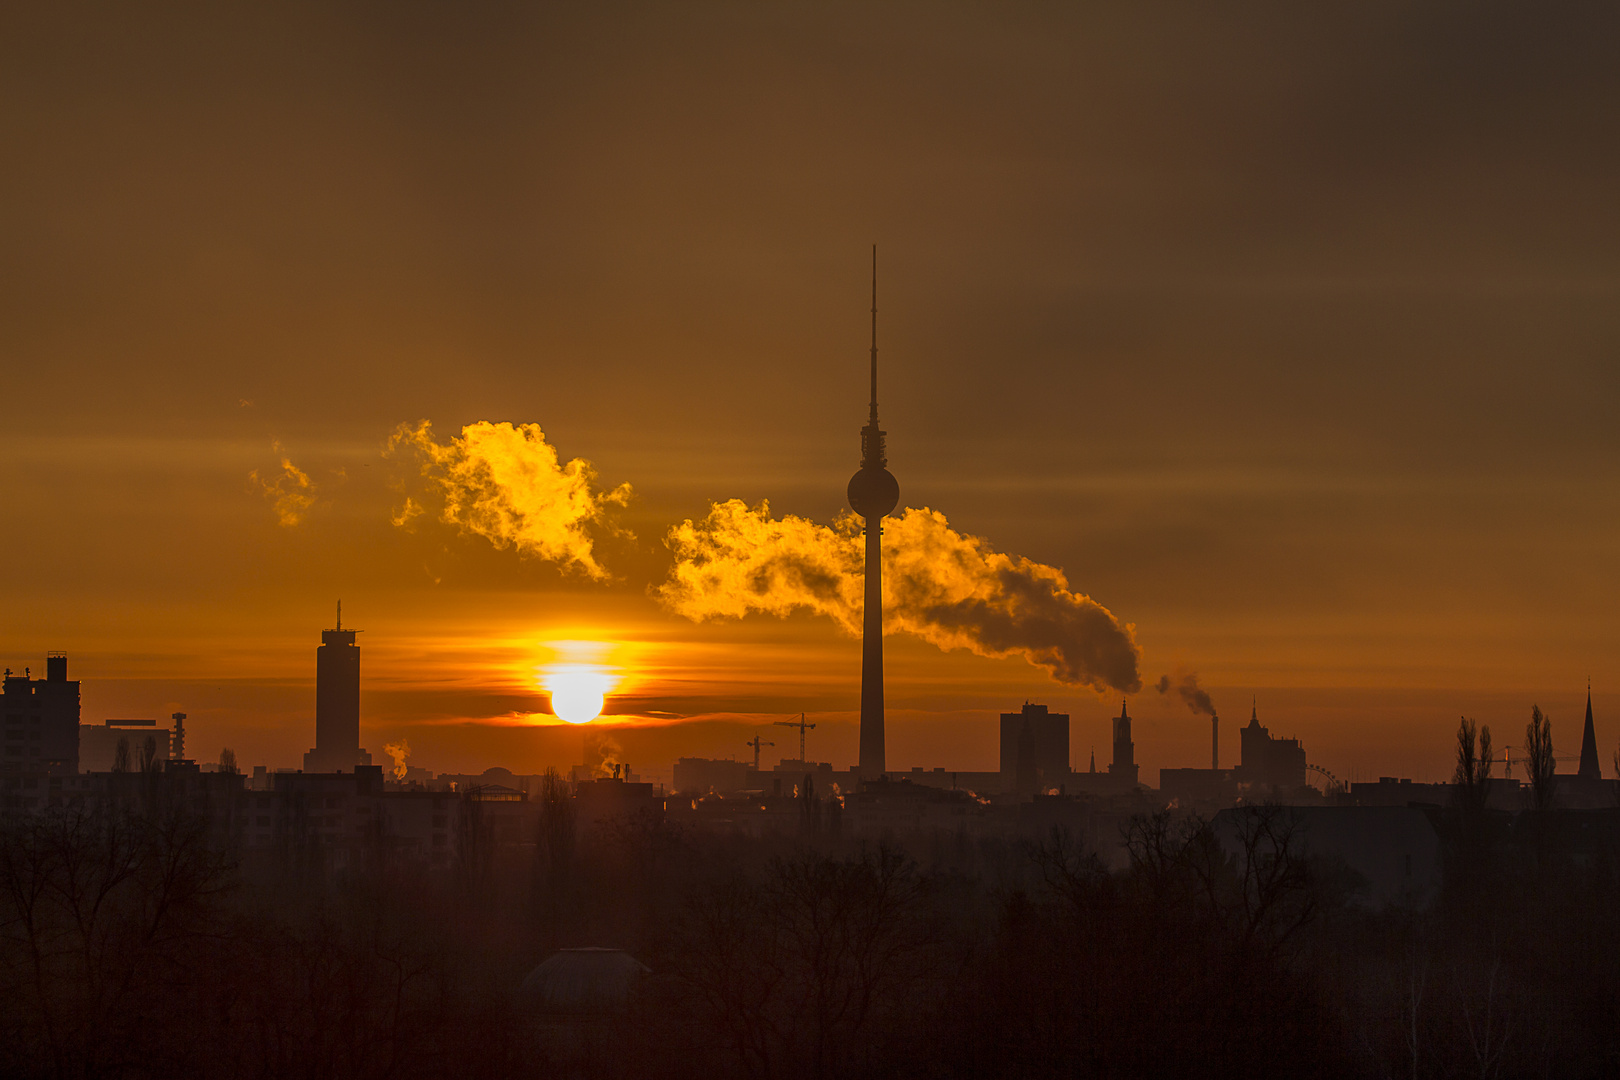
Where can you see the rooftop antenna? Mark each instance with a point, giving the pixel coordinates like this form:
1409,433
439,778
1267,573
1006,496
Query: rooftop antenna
874,334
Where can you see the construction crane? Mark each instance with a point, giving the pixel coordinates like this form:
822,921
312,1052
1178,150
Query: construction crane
801,725
756,744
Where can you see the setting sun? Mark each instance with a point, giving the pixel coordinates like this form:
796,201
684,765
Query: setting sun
577,692
578,682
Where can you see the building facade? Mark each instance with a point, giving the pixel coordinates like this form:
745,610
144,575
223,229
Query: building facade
41,721
1034,749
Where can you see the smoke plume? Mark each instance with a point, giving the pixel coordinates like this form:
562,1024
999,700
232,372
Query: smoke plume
950,589
504,482
602,753
290,491
1186,684
399,752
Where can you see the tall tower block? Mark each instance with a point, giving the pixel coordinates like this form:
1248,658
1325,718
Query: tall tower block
873,494
337,703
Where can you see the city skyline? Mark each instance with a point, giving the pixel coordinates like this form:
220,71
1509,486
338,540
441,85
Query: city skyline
1319,409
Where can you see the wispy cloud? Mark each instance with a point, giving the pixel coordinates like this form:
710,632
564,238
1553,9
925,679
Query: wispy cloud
290,490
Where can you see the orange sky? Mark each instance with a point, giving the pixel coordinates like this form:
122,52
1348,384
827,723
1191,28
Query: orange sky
1289,339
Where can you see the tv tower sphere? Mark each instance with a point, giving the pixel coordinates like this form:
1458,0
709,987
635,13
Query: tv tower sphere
873,492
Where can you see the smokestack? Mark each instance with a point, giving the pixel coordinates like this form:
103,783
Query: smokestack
1214,742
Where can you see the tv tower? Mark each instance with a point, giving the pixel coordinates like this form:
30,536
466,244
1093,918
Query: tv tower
873,493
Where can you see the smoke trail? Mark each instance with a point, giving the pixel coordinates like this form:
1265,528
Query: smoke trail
290,492
503,482
1186,684
399,752
950,589
602,753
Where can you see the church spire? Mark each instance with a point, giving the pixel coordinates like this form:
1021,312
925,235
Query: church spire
1589,769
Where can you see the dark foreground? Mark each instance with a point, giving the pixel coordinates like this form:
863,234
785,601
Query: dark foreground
135,944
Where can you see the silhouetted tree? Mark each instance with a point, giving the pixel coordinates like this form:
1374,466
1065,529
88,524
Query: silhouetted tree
1471,779
1538,758
809,970
121,755
227,761
149,755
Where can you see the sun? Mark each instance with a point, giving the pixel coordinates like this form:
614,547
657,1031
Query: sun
577,691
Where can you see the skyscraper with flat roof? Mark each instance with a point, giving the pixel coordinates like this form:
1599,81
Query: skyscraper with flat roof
337,703
1034,749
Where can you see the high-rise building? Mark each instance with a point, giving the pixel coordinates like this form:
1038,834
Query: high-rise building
1034,749
41,720
873,493
337,703
1124,764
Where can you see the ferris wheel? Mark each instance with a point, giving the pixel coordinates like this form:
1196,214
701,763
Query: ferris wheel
1322,780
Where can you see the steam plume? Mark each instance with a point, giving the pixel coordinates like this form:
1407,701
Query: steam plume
503,482
1186,684
290,491
602,753
950,589
399,752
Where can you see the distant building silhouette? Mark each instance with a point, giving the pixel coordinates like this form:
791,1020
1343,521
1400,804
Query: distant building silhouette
41,721
1268,760
873,494
700,776
1590,769
1034,749
1124,765
98,743
337,703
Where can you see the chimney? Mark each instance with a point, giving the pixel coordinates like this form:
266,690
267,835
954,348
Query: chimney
1214,742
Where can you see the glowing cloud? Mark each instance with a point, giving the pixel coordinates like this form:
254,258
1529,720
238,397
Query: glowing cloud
290,491
947,588
504,482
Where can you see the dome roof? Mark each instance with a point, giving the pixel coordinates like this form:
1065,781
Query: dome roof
578,980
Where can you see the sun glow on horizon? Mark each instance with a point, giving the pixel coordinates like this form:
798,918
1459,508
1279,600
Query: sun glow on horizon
578,683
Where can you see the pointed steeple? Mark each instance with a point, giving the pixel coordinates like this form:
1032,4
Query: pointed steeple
1589,769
